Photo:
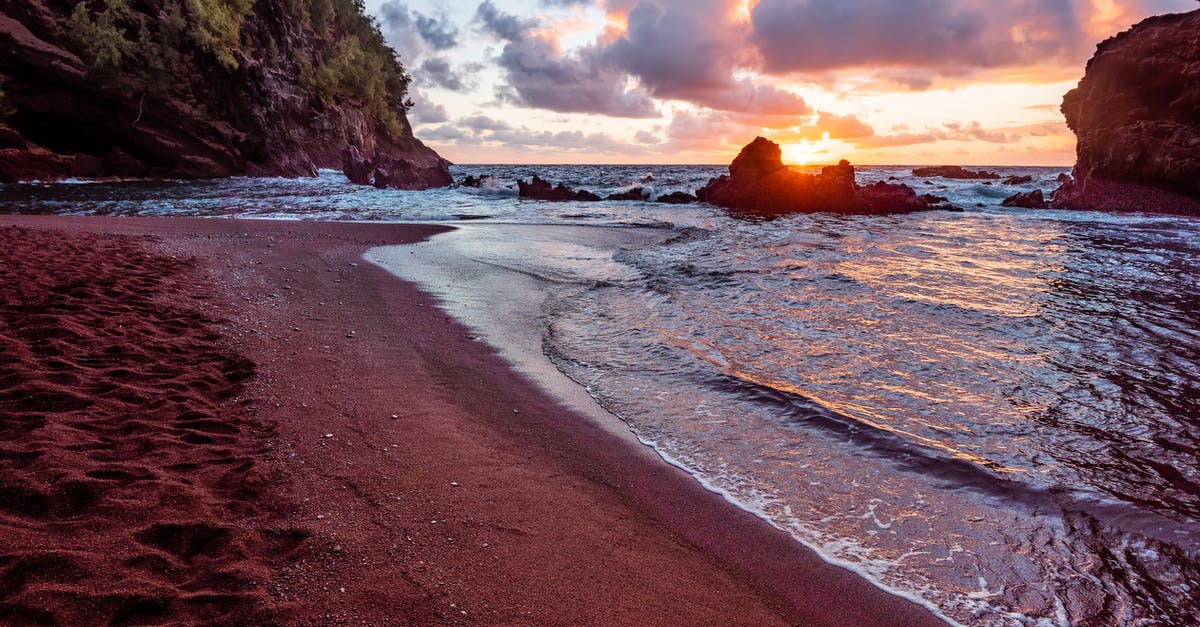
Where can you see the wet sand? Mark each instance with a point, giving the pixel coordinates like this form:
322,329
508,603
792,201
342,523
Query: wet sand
244,421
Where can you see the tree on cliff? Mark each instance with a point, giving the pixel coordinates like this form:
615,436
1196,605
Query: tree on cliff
198,88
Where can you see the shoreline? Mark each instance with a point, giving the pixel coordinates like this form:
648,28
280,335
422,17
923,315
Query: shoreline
541,515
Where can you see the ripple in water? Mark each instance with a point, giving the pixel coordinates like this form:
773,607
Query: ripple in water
995,412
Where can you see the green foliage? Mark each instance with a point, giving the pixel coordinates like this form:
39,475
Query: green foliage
352,61
217,27
103,41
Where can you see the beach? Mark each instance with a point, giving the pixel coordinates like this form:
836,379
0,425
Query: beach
286,433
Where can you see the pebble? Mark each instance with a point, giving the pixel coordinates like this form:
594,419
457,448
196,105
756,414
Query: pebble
516,412
327,436
433,522
395,417
454,483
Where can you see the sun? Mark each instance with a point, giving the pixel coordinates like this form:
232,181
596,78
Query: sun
806,152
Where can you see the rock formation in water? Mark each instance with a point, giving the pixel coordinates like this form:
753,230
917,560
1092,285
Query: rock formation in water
954,172
1027,200
1136,117
539,189
199,89
759,184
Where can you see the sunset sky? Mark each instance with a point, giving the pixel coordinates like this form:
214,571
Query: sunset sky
691,81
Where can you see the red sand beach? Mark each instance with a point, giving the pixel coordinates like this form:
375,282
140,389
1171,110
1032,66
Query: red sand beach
244,422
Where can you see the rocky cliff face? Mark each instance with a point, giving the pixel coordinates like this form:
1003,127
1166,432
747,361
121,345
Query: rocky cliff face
197,89
1136,115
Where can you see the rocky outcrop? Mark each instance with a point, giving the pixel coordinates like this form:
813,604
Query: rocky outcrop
676,198
1018,180
149,88
422,170
539,189
954,172
637,193
1136,117
759,184
1027,200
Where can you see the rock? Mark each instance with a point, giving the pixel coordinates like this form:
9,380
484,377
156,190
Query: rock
539,189
1028,200
1018,180
1136,118
759,185
636,193
953,172
356,167
477,182
676,198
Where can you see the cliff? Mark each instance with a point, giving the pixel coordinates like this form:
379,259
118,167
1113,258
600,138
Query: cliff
198,89
1136,115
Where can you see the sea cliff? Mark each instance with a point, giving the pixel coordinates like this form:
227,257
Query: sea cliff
198,89
1136,115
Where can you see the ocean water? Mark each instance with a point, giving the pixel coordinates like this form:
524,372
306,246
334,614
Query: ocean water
994,412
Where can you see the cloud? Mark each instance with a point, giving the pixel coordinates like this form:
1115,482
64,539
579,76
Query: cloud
646,137
440,72
691,52
480,122
505,26
438,32
833,125
951,131
423,110
951,36
564,3
539,75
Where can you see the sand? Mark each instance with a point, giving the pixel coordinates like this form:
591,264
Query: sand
245,422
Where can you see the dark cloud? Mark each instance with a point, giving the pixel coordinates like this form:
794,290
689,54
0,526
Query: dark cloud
816,35
439,71
539,75
565,3
438,32
506,26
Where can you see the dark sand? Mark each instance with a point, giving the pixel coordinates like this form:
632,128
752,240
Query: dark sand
198,426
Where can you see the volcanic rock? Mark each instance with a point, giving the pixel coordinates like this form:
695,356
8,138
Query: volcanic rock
1136,117
676,198
636,193
539,189
356,167
1018,180
760,185
1027,200
954,172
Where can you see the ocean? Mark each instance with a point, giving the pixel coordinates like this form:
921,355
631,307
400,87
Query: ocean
995,413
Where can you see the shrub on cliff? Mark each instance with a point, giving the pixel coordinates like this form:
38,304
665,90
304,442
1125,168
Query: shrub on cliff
217,27
102,39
